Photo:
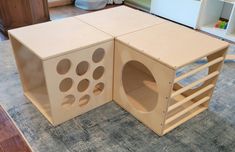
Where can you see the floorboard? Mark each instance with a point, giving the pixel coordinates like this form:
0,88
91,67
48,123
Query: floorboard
11,139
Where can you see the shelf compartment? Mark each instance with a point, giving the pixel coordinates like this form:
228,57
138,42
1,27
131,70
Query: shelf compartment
184,89
191,98
214,10
188,107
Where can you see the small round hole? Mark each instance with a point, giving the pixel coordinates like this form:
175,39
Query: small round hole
98,55
63,66
84,100
98,88
83,85
98,72
82,68
66,84
68,101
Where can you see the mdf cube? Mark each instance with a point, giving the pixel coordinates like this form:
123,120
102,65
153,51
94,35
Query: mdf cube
156,78
65,67
120,20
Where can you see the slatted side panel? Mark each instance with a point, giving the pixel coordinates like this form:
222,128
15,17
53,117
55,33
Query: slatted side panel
191,98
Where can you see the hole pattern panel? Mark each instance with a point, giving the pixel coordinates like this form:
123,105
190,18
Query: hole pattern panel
63,66
85,74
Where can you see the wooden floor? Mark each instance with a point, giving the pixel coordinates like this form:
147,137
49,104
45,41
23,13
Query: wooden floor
11,139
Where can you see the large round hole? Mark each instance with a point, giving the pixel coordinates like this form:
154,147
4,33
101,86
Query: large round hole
82,68
63,66
98,55
68,101
84,100
140,86
83,85
98,88
66,84
98,72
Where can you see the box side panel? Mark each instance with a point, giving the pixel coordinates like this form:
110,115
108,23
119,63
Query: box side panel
193,88
142,86
80,81
32,77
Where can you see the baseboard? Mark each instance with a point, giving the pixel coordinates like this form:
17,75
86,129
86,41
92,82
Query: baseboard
56,3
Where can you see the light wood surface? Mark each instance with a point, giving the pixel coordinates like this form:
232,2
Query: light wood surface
86,97
58,37
78,67
172,44
144,94
64,78
120,20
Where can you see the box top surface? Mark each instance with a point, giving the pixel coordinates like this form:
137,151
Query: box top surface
120,20
58,37
172,44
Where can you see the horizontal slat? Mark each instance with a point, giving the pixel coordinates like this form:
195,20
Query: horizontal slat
198,69
185,100
184,120
179,114
208,77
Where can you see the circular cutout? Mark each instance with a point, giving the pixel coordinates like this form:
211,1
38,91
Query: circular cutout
68,101
66,84
140,86
63,66
83,85
98,55
98,88
84,100
98,72
82,68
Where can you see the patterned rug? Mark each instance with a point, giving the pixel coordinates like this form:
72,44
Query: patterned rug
110,128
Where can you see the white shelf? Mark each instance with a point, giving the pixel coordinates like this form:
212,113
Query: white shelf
228,1
216,31
212,11
182,11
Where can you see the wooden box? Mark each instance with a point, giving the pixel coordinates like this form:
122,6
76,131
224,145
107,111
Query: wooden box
156,78
120,20
65,67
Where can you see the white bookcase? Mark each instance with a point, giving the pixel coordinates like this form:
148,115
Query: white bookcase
182,11
212,11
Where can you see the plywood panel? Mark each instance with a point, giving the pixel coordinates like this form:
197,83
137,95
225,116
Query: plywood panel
172,44
59,37
120,20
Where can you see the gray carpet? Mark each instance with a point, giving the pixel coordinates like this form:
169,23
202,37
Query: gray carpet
110,128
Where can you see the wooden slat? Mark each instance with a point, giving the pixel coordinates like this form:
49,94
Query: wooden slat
198,69
184,119
186,110
176,105
208,77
